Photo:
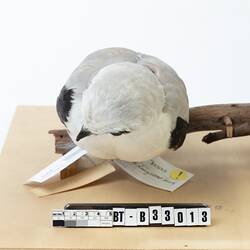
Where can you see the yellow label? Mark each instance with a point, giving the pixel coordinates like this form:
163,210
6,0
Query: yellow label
177,174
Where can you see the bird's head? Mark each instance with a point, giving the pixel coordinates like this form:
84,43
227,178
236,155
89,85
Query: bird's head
120,106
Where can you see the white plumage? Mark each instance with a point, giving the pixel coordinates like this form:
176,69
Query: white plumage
119,104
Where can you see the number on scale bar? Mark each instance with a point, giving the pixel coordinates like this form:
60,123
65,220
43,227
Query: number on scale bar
129,217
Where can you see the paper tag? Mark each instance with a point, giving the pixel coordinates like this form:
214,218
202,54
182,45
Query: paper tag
83,178
156,172
58,165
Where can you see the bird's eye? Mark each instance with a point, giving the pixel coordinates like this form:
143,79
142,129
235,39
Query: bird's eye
120,133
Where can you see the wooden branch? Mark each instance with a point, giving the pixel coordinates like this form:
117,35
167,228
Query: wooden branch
210,117
232,120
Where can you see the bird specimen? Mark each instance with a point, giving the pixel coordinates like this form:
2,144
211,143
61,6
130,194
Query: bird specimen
121,104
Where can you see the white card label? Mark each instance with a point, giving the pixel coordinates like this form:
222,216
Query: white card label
142,217
118,216
155,214
192,217
131,217
204,216
167,215
180,218
156,172
58,165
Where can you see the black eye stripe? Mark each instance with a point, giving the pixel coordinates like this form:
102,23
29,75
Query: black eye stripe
120,133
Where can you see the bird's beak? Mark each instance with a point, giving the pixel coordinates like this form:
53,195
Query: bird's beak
83,133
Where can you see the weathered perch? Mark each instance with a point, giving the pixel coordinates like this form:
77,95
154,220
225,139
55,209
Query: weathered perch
227,120
232,120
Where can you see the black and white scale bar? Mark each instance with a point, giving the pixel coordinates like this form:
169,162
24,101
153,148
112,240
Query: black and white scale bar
132,214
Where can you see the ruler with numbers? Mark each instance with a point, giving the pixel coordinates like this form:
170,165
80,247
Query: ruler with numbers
132,215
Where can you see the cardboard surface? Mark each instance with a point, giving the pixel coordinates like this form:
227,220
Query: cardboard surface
221,179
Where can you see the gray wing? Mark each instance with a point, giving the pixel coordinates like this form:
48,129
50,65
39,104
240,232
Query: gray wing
176,99
80,79
82,75
174,88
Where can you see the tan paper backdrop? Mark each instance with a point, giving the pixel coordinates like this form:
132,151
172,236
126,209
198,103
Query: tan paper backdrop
222,179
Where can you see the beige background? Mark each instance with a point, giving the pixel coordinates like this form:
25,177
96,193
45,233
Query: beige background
221,179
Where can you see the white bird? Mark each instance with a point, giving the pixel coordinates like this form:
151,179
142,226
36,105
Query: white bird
120,104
